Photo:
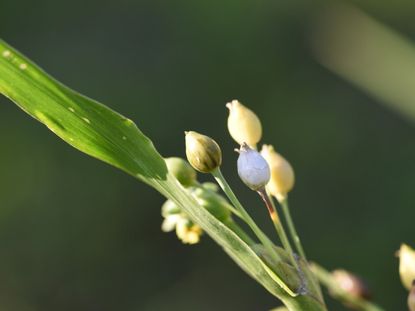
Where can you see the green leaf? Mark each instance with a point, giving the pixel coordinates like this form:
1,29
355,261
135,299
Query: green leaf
81,122
106,135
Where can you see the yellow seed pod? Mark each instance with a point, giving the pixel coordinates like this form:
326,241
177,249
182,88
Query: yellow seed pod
282,174
406,265
243,124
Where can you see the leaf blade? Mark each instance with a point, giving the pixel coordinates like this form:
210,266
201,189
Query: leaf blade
82,122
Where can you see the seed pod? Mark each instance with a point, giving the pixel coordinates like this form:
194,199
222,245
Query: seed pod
243,124
252,168
202,152
351,284
411,298
406,265
210,186
212,202
180,169
282,174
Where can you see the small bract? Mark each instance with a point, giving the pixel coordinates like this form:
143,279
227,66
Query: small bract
253,169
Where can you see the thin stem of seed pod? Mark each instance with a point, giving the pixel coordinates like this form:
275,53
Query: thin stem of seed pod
278,225
250,222
291,228
234,211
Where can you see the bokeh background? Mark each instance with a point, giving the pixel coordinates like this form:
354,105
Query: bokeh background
76,234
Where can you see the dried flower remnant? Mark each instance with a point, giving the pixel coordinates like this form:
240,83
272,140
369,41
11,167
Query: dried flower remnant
174,219
188,232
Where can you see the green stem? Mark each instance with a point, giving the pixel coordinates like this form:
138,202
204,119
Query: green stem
250,222
278,226
234,211
297,243
291,228
239,232
326,278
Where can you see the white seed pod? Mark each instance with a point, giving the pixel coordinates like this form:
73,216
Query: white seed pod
243,124
282,174
253,169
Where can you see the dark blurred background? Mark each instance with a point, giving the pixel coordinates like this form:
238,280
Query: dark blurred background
76,234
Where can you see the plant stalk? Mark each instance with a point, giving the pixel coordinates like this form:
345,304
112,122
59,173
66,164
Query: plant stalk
278,226
239,231
291,228
250,222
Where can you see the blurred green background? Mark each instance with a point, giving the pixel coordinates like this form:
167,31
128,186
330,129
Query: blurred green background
76,234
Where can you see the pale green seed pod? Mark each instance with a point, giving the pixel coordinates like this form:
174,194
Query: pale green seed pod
406,265
210,186
212,202
253,169
282,174
243,124
202,152
180,169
